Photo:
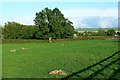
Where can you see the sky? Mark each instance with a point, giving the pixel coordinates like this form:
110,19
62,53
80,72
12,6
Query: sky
82,14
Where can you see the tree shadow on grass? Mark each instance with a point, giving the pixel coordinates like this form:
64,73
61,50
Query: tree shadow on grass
103,65
117,41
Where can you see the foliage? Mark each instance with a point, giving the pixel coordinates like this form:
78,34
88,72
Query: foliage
0,32
101,32
13,30
94,29
52,23
110,32
9,41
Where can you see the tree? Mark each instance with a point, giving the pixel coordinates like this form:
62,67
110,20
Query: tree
110,32
101,32
52,23
29,31
0,32
11,30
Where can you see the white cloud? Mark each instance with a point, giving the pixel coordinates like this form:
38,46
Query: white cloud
77,22
83,25
104,24
108,22
88,12
76,15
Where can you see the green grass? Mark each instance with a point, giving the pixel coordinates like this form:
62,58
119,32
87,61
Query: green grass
40,58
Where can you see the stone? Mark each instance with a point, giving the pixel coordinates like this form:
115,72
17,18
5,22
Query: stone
57,72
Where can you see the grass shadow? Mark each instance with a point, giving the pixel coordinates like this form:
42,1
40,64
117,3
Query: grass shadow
99,70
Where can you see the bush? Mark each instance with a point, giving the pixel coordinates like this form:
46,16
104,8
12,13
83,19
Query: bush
13,30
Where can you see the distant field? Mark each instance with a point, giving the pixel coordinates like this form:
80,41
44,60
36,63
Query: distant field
37,59
94,29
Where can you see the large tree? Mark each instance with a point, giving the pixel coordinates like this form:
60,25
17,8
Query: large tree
52,23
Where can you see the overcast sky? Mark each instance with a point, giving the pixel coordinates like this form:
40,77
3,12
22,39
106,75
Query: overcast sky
77,12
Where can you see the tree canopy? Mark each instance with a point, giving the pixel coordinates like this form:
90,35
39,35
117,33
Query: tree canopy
52,23
110,32
13,30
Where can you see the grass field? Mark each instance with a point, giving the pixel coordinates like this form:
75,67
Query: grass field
37,59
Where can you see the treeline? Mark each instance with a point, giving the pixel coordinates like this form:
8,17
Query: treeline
48,24
100,32
13,30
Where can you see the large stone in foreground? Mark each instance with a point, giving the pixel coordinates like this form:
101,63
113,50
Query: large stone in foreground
59,72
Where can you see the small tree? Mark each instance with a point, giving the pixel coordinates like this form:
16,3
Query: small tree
11,30
110,32
101,32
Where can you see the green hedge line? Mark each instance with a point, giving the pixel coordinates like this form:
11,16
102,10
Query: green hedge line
57,40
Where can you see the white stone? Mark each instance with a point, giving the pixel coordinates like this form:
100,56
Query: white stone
13,50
